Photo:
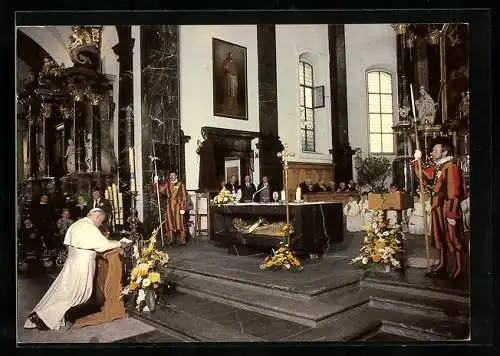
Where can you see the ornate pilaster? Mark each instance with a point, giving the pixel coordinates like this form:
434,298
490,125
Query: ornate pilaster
160,110
124,52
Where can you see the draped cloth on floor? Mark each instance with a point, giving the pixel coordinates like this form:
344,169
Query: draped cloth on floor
73,286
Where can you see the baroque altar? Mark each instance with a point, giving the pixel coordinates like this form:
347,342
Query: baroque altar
68,113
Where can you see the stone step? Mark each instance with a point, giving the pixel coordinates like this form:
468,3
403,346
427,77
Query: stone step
418,286
305,291
350,325
419,327
188,327
312,313
197,319
418,305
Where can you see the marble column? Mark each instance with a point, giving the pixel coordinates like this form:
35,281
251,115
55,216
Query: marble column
161,131
269,144
341,150
125,114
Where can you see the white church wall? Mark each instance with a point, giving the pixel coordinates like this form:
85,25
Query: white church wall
367,46
52,39
310,42
196,85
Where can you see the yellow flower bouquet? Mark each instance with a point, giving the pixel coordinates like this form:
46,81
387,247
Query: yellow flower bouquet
282,259
145,278
224,197
382,248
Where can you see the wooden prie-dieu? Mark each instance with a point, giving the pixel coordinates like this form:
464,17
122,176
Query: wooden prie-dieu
108,288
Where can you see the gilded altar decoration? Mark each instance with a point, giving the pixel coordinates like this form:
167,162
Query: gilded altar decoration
282,259
46,109
84,45
66,111
400,28
382,248
224,197
85,36
50,69
146,277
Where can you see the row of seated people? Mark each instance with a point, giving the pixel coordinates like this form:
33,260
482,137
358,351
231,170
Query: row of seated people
247,192
308,187
358,214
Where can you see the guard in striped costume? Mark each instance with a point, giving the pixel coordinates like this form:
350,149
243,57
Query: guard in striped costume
446,180
175,198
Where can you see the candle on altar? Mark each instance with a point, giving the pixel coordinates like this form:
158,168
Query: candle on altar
115,200
106,193
131,159
298,194
132,183
282,195
120,207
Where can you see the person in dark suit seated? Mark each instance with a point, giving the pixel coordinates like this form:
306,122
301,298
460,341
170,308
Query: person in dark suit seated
307,186
247,190
233,185
332,187
343,187
44,220
352,186
320,187
80,209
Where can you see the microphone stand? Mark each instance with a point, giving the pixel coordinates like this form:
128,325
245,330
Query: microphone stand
258,191
422,202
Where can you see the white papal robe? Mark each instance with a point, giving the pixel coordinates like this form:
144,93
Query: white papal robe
73,286
351,210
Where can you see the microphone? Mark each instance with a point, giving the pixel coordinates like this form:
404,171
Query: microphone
258,191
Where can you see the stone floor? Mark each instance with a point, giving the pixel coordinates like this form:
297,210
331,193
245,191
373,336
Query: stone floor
31,290
248,325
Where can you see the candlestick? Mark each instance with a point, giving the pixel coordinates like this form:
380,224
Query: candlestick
120,207
106,194
131,159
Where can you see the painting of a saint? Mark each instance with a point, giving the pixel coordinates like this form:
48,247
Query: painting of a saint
229,76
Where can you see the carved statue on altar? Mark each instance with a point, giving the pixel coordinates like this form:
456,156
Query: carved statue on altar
463,107
426,108
70,156
88,152
41,160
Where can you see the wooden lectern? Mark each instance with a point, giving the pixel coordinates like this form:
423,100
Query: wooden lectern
108,289
392,201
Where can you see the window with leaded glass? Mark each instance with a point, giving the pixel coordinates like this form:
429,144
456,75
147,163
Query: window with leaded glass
307,134
380,112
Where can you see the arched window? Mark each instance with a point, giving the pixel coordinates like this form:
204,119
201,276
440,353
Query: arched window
380,112
307,134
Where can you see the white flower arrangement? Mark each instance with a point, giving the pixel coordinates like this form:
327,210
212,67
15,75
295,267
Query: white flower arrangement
383,246
224,197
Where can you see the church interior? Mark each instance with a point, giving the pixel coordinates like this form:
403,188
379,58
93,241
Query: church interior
303,126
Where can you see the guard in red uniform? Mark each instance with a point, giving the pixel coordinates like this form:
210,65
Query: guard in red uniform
175,195
446,181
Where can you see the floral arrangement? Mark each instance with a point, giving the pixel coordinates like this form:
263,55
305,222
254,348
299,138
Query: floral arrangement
383,246
145,277
224,197
282,259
